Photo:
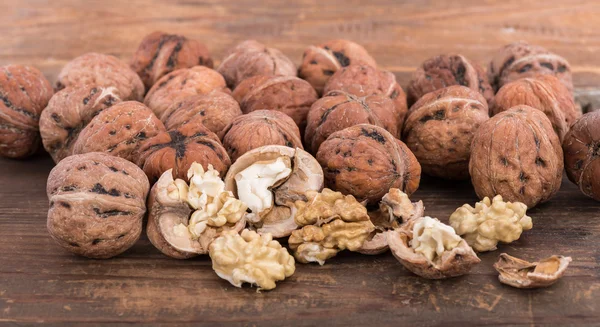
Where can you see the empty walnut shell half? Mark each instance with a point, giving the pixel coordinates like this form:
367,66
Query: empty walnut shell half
440,127
516,154
97,203
522,274
366,161
24,93
160,53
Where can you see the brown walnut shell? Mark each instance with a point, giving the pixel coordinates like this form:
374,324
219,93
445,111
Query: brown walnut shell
440,127
519,273
516,154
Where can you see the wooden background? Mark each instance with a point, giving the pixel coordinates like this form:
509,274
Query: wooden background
39,282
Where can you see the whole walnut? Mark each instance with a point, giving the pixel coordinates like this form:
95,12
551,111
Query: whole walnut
440,127
68,112
119,131
366,161
288,94
161,53
582,154
446,70
320,62
180,84
521,59
102,70
260,128
24,93
516,154
338,110
251,58
215,110
545,93
97,203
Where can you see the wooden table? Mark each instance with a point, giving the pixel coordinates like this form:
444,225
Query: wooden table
39,282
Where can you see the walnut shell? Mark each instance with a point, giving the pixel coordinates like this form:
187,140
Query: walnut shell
251,58
440,127
160,53
582,154
24,93
446,70
68,112
516,154
97,203
267,127
338,110
366,161
320,62
119,131
519,273
102,70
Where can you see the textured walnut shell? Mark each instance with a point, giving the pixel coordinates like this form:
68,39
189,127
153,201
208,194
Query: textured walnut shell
24,93
440,127
521,59
320,62
522,274
287,94
252,58
516,154
161,53
338,110
366,161
119,131
97,203
260,128
582,154
102,70
181,84
68,112
545,93
447,70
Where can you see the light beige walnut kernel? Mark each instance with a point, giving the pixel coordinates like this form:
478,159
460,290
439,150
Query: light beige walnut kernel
522,274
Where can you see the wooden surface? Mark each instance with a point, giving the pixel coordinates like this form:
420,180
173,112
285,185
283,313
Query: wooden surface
39,282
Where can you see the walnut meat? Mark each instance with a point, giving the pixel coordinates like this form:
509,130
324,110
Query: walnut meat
104,71
161,53
446,70
366,161
440,127
522,274
97,203
516,154
24,93
68,112
320,62
252,58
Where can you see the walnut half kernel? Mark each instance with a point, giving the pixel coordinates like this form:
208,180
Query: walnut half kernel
522,274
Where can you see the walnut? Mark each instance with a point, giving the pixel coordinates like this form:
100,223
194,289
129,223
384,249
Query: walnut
68,112
267,127
440,127
545,93
516,154
252,58
287,94
320,62
103,71
251,258
160,53
582,154
119,131
338,110
521,59
97,203
181,84
447,70
430,249
24,92
366,161
522,274
489,222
